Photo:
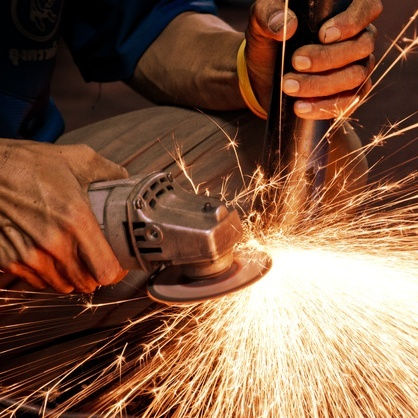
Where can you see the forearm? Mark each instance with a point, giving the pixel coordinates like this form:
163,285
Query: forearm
192,63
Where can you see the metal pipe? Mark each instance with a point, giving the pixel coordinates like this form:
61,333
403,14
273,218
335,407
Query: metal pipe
296,137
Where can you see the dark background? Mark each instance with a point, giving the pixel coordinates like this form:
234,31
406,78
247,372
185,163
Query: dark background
396,97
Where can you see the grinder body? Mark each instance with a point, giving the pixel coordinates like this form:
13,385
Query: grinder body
150,220
184,241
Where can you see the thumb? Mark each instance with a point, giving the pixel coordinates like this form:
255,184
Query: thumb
270,19
88,166
102,169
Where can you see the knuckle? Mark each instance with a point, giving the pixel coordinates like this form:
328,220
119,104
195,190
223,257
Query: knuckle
320,111
90,287
256,9
306,84
259,15
342,104
85,148
76,216
112,274
60,285
84,151
367,43
88,151
267,20
14,268
325,55
310,86
357,75
377,8
351,24
85,285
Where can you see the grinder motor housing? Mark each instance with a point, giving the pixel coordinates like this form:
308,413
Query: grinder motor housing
150,221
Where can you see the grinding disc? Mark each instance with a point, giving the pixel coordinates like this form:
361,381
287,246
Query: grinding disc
171,286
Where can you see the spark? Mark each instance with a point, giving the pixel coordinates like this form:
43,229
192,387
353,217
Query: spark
232,143
177,156
391,132
330,331
343,115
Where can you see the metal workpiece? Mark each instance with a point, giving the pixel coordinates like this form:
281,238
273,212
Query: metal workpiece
295,147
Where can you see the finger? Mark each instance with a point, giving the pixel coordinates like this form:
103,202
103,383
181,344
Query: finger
350,22
68,265
38,265
44,265
101,262
7,280
341,105
317,58
26,273
268,19
88,166
94,250
325,84
13,248
75,272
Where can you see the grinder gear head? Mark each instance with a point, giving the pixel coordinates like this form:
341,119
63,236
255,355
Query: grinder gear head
184,241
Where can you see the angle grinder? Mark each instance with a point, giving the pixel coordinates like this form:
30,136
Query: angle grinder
185,242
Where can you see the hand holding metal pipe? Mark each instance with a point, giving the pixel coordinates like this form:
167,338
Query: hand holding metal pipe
327,69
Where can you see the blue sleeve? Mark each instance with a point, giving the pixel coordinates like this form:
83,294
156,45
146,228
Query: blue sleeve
107,37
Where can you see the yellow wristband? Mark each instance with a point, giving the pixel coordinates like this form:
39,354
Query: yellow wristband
245,85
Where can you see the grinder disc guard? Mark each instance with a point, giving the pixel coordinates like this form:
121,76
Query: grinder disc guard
172,286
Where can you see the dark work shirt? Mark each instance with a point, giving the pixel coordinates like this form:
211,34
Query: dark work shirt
105,37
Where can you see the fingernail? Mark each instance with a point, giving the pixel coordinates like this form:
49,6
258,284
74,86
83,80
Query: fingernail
290,86
68,289
303,107
302,63
332,34
276,21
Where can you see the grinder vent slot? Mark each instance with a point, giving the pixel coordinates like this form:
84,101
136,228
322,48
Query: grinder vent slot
139,231
154,186
155,191
138,225
150,250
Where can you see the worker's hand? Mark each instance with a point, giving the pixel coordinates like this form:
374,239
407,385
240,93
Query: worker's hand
48,234
327,76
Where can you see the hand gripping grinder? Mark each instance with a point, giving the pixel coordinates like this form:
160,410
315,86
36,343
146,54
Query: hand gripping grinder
184,241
